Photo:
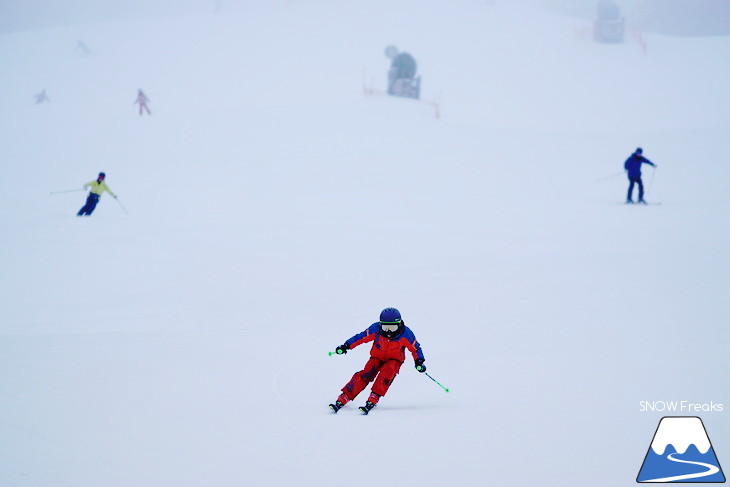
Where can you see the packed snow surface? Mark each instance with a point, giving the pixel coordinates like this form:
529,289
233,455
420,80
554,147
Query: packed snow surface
273,209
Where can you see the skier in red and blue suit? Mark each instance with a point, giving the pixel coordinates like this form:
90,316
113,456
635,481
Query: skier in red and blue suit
390,337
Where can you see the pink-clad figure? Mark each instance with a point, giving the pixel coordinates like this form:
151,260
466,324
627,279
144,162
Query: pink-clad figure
142,100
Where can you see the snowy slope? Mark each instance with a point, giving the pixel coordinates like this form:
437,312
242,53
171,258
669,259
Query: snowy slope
274,210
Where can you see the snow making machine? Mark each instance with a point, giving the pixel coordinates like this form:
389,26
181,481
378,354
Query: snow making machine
609,25
402,79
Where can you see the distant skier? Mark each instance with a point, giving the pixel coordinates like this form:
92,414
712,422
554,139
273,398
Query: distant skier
98,186
402,80
41,97
633,171
80,46
142,100
390,337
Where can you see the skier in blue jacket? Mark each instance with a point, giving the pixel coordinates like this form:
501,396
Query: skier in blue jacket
633,170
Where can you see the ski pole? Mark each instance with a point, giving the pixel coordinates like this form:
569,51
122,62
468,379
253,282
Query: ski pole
437,382
609,177
651,181
67,191
122,206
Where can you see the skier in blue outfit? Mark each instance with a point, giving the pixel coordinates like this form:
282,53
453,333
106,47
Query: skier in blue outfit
633,170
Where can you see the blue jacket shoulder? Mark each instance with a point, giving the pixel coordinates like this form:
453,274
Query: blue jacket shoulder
408,334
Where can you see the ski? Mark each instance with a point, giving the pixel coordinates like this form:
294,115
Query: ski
366,408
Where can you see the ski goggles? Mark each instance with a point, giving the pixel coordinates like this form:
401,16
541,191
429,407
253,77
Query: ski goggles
388,326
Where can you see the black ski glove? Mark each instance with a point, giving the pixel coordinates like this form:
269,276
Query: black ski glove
419,365
342,349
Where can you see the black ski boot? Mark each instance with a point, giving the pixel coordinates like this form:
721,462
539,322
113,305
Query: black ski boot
367,407
336,406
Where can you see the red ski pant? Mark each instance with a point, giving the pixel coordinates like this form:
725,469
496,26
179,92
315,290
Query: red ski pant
383,372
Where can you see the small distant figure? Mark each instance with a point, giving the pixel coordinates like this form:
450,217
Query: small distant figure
633,171
402,79
142,100
80,46
41,97
98,186
609,24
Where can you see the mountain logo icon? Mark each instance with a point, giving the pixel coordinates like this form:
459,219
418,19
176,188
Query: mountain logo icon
681,452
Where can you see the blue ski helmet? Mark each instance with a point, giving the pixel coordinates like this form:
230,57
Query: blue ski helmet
639,150
390,316
391,324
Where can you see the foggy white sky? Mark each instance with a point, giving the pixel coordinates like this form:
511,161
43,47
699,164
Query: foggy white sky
18,15
673,17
